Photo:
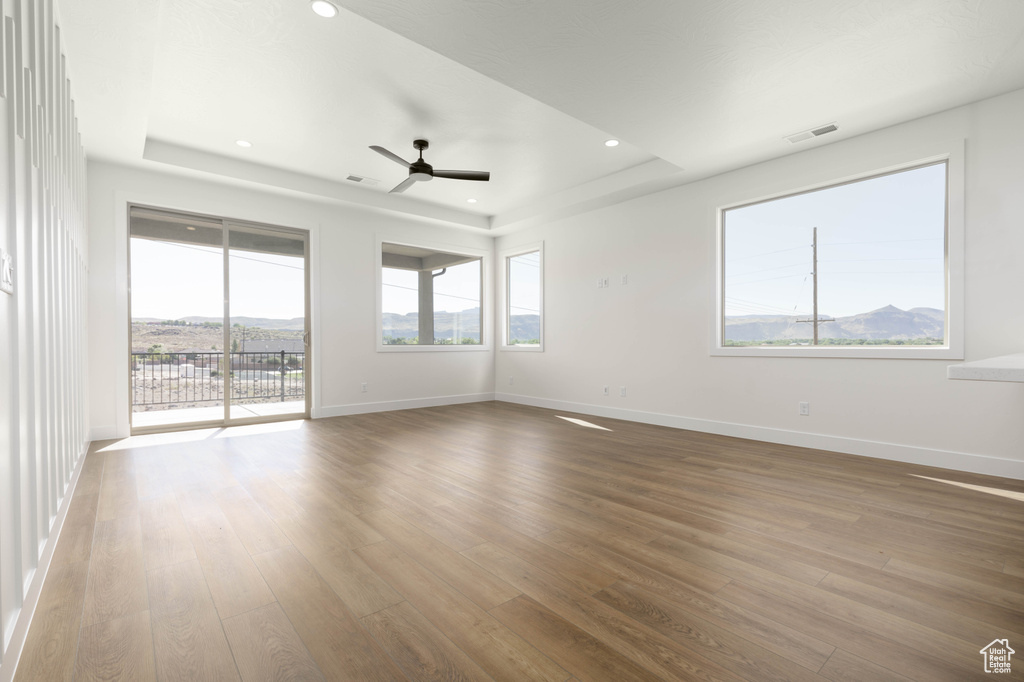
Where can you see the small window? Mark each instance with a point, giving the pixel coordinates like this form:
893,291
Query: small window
858,265
524,300
430,297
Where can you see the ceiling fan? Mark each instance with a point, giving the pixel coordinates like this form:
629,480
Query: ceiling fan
421,171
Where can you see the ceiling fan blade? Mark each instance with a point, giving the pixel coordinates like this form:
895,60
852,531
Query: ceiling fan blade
394,157
404,185
463,175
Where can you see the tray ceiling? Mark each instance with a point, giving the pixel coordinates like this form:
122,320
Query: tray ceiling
528,90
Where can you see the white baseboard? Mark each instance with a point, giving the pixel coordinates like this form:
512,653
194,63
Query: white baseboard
943,459
103,433
35,586
390,405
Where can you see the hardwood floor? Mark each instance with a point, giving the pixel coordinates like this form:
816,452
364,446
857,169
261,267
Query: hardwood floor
496,541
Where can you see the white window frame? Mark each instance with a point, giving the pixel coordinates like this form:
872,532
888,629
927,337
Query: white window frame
854,170
486,323
503,292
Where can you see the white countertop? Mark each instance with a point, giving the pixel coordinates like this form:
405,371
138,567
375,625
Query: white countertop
1002,368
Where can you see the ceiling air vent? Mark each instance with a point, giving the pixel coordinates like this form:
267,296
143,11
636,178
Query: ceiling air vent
362,180
813,132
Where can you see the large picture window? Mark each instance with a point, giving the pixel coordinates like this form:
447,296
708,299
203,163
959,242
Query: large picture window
861,264
430,297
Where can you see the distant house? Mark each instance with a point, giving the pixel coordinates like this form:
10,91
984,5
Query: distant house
189,371
273,346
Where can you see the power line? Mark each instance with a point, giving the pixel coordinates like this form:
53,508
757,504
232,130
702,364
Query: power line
399,286
754,272
257,260
734,302
739,309
801,292
747,303
895,272
884,241
877,260
768,253
219,253
766,279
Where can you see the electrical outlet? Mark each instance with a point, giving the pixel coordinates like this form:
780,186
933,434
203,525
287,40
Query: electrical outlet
622,391
625,280
605,390
600,283
604,282
511,381
805,409
362,388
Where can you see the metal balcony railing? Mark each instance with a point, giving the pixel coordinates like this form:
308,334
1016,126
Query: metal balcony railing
171,380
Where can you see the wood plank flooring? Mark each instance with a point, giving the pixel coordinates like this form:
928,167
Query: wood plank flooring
493,541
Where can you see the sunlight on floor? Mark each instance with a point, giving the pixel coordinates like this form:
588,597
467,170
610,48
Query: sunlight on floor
257,429
1012,494
153,439
580,422
186,415
174,437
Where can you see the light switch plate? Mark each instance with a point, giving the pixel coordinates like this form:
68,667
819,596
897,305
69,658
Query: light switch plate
6,272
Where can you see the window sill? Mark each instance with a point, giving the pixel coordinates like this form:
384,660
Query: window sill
524,349
855,352
412,348
1002,368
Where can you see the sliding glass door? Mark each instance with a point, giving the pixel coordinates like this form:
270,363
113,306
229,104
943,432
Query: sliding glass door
267,295
219,321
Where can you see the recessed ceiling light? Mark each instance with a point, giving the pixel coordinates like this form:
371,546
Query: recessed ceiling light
243,143
611,143
190,228
325,9
470,201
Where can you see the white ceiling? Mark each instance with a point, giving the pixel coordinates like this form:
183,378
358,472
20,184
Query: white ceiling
527,89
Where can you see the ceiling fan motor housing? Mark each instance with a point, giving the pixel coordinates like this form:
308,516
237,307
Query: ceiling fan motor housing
421,170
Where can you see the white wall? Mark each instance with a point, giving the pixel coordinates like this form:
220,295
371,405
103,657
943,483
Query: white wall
43,414
343,244
653,335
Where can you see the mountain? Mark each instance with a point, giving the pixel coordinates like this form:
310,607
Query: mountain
525,326
296,323
180,338
885,323
464,324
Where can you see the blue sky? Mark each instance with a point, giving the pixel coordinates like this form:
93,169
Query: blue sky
880,242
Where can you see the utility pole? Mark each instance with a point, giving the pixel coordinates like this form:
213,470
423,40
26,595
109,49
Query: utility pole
814,281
